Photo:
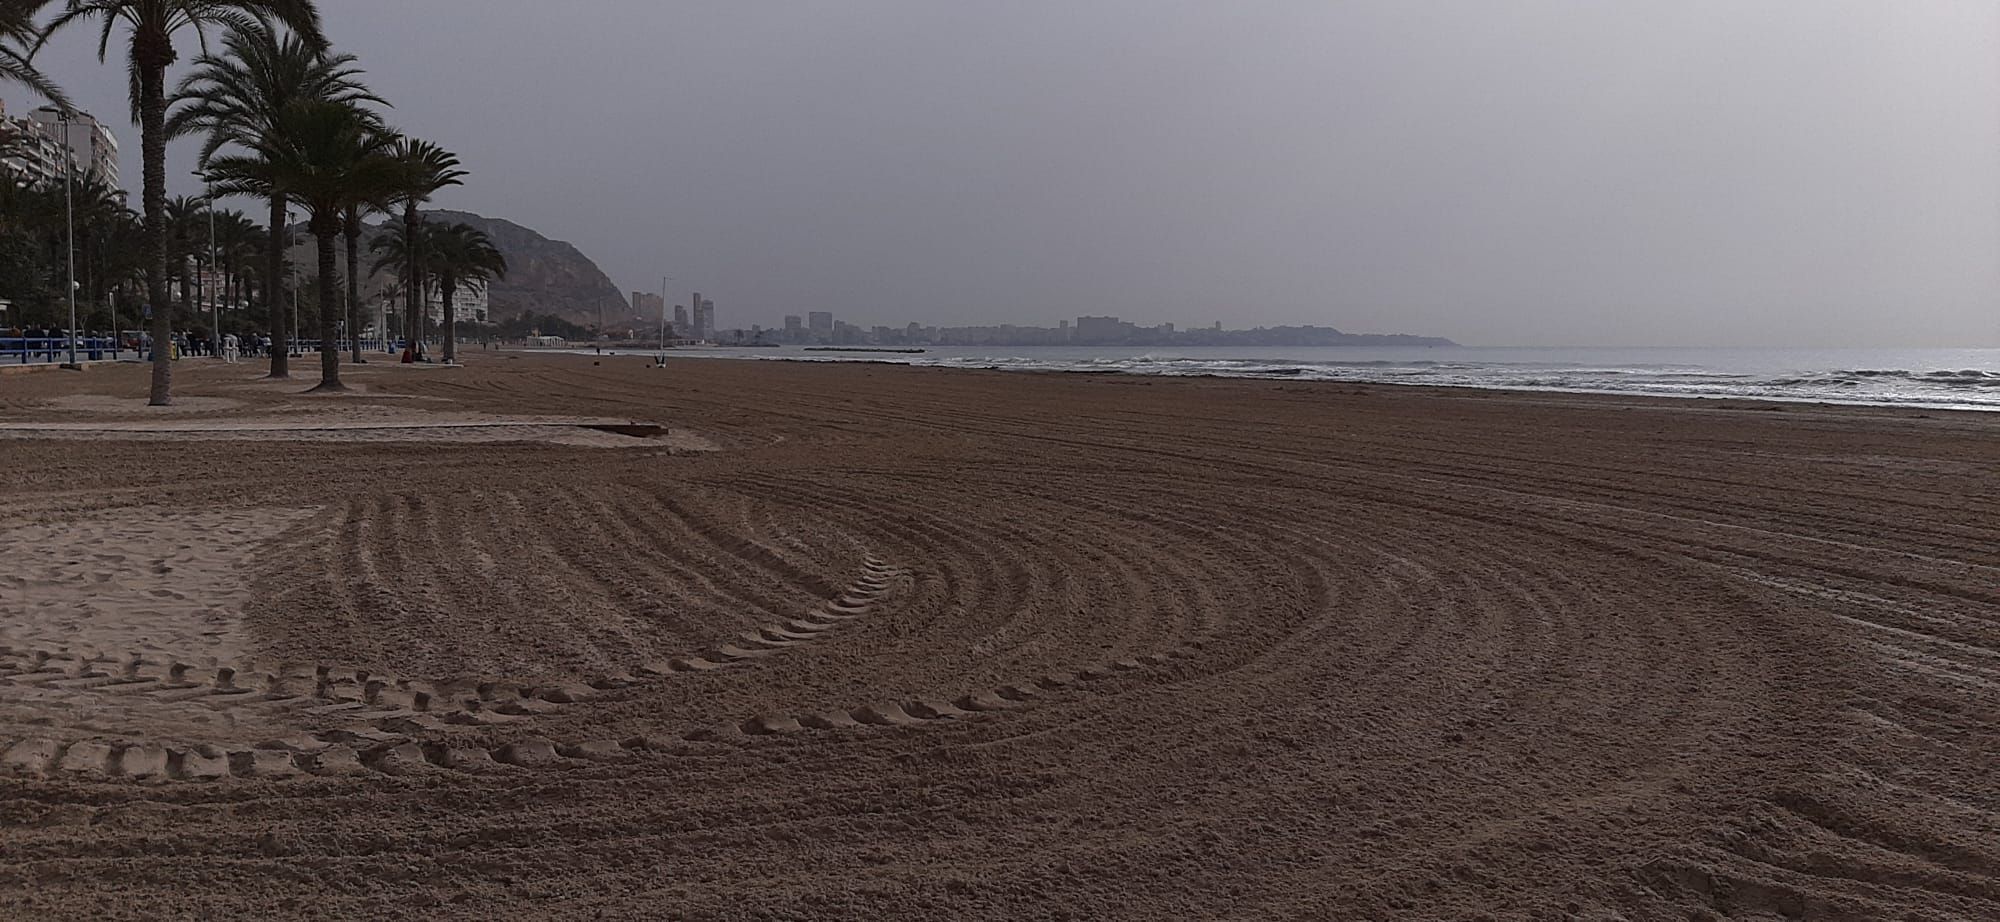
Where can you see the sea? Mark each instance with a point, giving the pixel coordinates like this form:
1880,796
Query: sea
1965,379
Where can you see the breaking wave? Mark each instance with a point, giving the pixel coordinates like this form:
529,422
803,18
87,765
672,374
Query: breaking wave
1791,375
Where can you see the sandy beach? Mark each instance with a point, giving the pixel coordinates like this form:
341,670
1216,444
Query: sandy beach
869,641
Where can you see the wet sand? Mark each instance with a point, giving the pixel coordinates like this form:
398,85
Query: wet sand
869,641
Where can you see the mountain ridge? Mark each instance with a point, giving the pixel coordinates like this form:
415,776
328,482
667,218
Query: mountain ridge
545,275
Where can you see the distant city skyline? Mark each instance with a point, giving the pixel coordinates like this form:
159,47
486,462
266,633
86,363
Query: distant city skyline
822,328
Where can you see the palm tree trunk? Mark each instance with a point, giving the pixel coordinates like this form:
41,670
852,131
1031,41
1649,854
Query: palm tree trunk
413,280
151,62
353,233
447,286
329,312
189,316
274,273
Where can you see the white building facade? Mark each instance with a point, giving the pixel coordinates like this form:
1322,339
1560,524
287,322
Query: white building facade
468,305
40,153
92,147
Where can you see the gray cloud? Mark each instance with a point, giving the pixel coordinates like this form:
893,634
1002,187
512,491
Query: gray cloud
1812,172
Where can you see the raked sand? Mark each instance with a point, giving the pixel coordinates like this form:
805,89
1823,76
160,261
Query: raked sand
861,641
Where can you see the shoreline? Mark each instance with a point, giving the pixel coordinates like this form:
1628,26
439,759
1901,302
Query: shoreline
1704,401
972,365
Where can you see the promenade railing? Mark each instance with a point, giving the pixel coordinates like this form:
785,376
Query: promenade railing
29,350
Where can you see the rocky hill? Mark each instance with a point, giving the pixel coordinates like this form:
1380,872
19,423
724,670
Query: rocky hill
547,276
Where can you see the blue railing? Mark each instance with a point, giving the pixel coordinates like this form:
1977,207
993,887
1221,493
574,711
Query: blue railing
26,350
41,349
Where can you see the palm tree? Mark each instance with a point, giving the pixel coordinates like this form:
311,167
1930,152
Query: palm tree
391,295
362,202
17,43
152,24
320,152
427,168
460,254
100,211
392,250
236,97
116,252
186,225
350,230
235,236
395,252
29,215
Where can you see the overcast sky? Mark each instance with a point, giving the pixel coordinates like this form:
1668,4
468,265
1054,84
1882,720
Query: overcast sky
1566,172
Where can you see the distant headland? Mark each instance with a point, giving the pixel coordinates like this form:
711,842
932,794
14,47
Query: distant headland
822,329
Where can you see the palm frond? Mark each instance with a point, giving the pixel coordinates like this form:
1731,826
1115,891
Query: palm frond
235,94
18,40
427,168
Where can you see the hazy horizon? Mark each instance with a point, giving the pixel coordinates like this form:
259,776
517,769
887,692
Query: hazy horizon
1817,174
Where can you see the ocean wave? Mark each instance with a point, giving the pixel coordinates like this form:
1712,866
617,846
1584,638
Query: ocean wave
1964,388
1965,373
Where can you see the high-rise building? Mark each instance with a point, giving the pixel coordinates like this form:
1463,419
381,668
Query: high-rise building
704,319
821,325
469,304
681,328
647,306
93,147
1100,330
795,329
32,157
39,153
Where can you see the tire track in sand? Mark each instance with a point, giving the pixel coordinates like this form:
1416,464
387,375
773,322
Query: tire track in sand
381,721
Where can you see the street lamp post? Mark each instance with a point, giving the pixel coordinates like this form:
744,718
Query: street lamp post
214,303
664,279
293,346
69,210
